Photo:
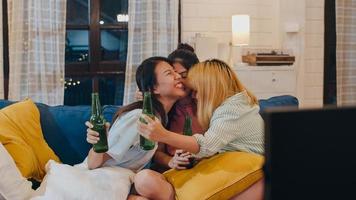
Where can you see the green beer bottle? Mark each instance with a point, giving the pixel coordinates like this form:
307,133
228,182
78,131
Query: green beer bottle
98,121
147,109
187,130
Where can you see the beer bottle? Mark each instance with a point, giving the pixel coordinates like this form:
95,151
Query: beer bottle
147,109
187,130
98,121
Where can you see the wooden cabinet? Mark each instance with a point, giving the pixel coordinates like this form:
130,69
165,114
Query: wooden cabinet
268,81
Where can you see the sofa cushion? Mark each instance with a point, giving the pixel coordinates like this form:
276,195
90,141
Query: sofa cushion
278,101
11,179
21,135
56,139
68,122
64,182
109,112
64,130
219,177
52,132
4,103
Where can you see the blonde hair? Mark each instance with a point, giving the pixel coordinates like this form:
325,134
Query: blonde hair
214,81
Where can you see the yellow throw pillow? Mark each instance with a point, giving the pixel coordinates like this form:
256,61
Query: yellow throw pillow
21,135
219,177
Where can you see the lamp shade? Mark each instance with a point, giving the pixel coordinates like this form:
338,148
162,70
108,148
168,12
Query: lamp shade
240,30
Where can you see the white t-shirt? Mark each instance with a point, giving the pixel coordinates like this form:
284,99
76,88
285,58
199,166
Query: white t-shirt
124,143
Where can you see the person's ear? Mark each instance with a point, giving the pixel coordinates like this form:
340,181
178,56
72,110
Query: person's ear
156,90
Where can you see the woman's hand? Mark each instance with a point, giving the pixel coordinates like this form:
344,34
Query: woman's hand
138,95
152,129
93,136
179,160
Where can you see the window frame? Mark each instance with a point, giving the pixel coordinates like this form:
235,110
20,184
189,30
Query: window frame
330,85
95,66
5,48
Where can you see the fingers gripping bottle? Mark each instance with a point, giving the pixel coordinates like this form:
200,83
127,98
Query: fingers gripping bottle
98,121
147,109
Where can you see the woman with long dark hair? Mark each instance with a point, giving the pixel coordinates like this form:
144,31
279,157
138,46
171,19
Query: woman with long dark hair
167,156
155,74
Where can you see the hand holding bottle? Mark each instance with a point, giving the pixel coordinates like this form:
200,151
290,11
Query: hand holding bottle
93,136
97,121
180,160
187,130
152,129
147,110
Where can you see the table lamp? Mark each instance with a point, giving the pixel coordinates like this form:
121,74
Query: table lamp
240,37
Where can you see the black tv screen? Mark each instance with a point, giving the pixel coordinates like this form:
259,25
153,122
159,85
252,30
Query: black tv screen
310,154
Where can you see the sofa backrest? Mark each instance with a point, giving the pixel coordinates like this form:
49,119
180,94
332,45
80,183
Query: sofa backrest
64,130
68,124
278,101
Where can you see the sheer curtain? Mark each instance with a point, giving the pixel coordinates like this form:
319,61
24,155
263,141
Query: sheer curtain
36,50
153,31
346,51
1,57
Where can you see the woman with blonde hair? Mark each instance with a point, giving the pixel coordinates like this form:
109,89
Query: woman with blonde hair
227,111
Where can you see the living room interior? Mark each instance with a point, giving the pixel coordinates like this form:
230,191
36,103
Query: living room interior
298,54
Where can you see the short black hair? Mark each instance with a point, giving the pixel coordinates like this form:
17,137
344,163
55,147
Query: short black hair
184,54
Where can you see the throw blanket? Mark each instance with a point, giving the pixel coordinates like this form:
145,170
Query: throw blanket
67,182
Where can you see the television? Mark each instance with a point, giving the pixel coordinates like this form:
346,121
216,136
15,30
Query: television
310,153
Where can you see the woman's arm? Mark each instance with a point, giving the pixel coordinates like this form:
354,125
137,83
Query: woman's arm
187,143
122,135
155,131
178,161
161,157
222,130
96,160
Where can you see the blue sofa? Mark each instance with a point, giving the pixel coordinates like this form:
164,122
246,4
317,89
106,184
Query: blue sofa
64,130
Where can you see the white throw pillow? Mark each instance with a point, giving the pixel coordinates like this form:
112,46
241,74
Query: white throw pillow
12,185
68,182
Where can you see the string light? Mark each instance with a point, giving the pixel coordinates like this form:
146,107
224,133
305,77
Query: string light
69,82
122,17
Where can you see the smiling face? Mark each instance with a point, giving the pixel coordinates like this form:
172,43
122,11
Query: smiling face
180,69
168,82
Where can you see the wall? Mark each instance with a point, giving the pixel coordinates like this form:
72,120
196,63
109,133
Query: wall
293,12
314,53
268,21
213,18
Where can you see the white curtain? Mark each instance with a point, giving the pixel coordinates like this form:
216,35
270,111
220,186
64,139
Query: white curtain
1,56
36,50
346,52
153,31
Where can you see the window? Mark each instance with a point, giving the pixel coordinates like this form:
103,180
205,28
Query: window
96,47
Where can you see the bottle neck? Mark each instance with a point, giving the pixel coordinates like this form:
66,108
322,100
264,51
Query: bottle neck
147,103
187,129
95,105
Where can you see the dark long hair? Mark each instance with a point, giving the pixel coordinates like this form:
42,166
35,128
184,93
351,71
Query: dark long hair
146,80
184,54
